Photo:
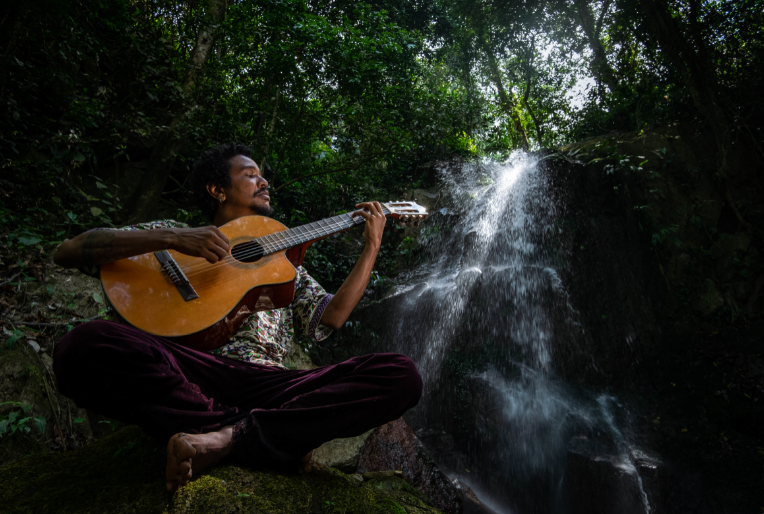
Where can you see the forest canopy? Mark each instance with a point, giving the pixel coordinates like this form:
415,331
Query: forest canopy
108,102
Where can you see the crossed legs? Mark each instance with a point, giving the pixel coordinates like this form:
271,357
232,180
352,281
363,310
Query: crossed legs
256,414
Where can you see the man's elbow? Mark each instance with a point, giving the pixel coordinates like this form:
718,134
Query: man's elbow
64,255
331,318
331,323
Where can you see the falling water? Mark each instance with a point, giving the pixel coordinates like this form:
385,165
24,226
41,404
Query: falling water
484,318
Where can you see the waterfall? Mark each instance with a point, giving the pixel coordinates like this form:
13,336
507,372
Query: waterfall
485,316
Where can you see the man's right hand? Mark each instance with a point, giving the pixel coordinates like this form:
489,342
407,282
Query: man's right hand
207,242
98,247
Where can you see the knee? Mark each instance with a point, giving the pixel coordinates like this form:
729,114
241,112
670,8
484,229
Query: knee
409,381
75,350
78,342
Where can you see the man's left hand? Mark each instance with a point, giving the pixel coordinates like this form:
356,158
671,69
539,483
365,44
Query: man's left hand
375,222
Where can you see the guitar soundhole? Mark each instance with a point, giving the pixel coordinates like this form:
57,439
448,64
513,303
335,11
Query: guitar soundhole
247,252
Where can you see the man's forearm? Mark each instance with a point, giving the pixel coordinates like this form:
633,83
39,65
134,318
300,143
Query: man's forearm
101,246
351,291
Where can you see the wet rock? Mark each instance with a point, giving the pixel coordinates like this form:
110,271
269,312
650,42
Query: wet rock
471,249
468,277
441,446
395,447
601,483
688,496
426,199
342,454
470,501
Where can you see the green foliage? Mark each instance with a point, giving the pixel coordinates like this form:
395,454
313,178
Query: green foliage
113,425
13,336
16,421
342,102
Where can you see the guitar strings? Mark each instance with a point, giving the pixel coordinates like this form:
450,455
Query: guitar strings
275,242
272,243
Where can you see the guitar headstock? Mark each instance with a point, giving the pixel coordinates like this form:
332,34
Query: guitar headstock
406,212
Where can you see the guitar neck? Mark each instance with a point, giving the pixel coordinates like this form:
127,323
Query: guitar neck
289,238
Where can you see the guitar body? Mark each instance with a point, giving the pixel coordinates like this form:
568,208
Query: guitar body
202,305
229,291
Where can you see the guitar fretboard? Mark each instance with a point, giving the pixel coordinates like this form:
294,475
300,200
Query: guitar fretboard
286,239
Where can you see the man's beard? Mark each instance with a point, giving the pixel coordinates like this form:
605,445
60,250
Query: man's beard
263,210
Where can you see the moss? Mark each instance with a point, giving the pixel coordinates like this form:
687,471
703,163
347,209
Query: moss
124,473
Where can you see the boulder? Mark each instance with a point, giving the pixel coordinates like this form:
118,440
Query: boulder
124,473
471,503
601,483
342,454
395,447
425,198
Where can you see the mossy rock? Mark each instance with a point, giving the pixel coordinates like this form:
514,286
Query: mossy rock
124,473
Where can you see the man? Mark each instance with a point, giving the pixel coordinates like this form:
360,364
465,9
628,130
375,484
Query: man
238,400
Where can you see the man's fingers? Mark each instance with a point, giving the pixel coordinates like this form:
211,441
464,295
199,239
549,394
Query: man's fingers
222,237
220,252
374,208
211,257
221,243
365,214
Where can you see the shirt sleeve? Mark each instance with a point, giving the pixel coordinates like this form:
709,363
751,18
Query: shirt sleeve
310,301
92,271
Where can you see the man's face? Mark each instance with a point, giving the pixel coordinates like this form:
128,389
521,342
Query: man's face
248,190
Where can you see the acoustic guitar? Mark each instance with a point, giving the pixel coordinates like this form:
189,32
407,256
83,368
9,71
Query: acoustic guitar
201,305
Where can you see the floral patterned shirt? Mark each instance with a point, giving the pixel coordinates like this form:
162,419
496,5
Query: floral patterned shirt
266,336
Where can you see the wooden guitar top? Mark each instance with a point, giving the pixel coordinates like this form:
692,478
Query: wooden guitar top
145,295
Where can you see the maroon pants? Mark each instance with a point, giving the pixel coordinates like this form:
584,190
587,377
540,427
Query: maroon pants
278,415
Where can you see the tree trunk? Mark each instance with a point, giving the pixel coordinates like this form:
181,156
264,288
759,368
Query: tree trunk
697,74
536,123
600,67
162,158
508,103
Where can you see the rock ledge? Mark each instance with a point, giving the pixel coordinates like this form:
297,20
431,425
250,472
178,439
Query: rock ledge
124,473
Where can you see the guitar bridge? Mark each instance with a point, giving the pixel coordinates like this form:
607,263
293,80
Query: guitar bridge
176,274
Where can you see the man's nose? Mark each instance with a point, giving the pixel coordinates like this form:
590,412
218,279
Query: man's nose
262,183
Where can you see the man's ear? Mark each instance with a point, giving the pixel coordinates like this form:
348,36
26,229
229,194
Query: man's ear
216,192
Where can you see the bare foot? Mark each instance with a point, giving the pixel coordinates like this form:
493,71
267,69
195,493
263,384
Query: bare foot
305,464
191,453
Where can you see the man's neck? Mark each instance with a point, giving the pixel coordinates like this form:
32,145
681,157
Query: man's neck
223,216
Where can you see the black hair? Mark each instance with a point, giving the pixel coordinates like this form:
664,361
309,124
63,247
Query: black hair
213,167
